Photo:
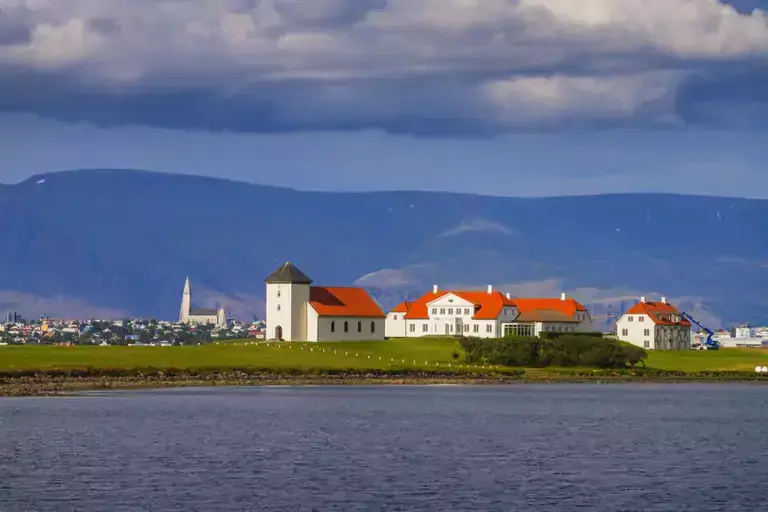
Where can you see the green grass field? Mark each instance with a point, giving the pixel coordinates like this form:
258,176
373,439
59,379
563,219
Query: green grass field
725,359
433,353
391,354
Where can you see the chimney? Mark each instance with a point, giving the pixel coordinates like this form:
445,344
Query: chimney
663,300
642,299
508,295
562,296
490,289
435,288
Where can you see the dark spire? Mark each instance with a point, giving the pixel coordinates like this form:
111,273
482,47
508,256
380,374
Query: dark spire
288,274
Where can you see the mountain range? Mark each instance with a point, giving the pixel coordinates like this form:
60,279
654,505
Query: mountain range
115,243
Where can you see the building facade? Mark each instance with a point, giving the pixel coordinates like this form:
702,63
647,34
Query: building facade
298,311
199,316
654,326
488,314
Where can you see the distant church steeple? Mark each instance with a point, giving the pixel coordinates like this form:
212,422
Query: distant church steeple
186,303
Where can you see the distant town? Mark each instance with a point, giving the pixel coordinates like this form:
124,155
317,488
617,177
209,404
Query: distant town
138,332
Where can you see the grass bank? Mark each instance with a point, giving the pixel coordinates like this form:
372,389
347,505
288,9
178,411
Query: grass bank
30,370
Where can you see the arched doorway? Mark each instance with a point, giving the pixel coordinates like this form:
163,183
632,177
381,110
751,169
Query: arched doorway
279,333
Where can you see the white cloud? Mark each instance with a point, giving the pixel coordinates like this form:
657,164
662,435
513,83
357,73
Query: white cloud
530,98
508,61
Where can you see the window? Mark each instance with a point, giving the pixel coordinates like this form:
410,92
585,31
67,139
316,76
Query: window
278,293
630,318
278,307
373,326
475,328
333,326
520,330
641,319
450,311
434,311
425,328
359,326
466,327
489,328
647,332
624,332
442,311
394,317
466,311
346,326
412,327
647,344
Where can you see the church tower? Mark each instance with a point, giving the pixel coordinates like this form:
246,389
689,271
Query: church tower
221,317
287,298
186,303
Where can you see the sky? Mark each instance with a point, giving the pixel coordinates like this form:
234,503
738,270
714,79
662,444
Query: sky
504,97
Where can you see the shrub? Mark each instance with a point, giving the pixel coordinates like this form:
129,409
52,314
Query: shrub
563,350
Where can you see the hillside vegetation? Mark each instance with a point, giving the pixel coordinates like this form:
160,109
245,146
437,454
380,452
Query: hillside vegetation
125,240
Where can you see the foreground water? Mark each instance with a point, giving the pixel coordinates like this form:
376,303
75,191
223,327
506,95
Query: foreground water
543,448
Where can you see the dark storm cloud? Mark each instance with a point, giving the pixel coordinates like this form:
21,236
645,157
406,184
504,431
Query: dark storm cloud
411,66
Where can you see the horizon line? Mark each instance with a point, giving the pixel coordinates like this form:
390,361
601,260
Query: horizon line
105,170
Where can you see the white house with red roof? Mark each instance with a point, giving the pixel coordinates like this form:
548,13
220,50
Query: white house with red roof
654,326
486,314
298,311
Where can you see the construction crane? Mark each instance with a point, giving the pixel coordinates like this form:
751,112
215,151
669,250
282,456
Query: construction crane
709,344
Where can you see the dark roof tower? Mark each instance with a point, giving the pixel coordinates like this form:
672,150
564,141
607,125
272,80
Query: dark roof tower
288,274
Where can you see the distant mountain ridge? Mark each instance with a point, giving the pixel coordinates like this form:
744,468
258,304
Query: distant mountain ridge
111,243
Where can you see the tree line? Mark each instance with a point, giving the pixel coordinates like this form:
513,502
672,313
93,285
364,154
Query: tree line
572,349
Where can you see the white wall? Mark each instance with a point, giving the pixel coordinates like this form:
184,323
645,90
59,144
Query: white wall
395,325
287,308
313,324
632,329
438,328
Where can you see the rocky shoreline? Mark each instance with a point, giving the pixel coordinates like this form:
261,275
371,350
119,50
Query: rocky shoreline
61,382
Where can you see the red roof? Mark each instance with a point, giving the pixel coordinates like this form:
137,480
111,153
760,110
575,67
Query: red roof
403,307
337,301
659,312
567,307
487,305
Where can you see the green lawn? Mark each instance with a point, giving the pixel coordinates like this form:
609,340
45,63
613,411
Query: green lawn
708,360
396,353
433,353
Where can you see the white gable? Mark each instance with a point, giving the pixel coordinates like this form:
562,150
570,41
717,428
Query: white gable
450,300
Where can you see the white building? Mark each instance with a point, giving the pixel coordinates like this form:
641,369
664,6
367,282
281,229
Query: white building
488,314
198,316
297,311
745,337
655,326
395,323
